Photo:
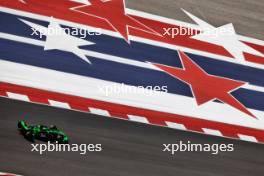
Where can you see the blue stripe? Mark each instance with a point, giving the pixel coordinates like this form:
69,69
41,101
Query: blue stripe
107,70
143,52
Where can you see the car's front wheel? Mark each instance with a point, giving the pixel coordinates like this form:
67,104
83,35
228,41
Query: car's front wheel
60,139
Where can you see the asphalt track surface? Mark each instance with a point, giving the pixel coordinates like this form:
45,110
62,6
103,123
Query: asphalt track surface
129,149
246,15
132,149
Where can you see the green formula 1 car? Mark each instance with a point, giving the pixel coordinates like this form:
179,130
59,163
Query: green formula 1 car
42,132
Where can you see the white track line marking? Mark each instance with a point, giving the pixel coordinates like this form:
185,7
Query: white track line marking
247,138
177,126
59,104
99,112
138,119
17,96
212,132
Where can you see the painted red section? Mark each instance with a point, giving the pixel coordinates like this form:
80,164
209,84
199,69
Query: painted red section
257,47
80,106
205,87
121,111
3,93
118,115
254,59
60,9
38,99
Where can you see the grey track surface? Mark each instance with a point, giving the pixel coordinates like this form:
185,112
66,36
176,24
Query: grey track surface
246,15
129,149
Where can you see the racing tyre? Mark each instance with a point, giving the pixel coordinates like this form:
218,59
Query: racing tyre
28,135
19,125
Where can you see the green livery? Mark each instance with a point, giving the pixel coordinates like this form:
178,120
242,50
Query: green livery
42,132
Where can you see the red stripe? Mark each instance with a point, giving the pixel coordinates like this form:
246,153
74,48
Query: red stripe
118,115
3,93
121,111
256,47
60,9
79,107
255,59
252,58
38,99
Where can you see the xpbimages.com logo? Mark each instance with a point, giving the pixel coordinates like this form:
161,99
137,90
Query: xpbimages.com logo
183,31
53,31
192,147
55,147
122,89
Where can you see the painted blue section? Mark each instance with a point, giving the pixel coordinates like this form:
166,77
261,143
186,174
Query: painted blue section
121,73
142,52
107,70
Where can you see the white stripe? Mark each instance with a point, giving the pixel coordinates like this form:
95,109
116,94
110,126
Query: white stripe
107,57
253,87
87,87
212,132
3,173
21,39
134,38
99,112
88,53
198,52
247,138
138,119
176,125
17,96
59,104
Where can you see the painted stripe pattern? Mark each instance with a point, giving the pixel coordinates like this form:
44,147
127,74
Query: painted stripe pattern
130,113
211,88
116,66
62,12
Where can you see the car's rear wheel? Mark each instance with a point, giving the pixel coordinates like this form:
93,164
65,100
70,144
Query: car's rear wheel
19,125
42,135
29,135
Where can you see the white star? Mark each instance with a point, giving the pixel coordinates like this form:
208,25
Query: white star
224,36
58,39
